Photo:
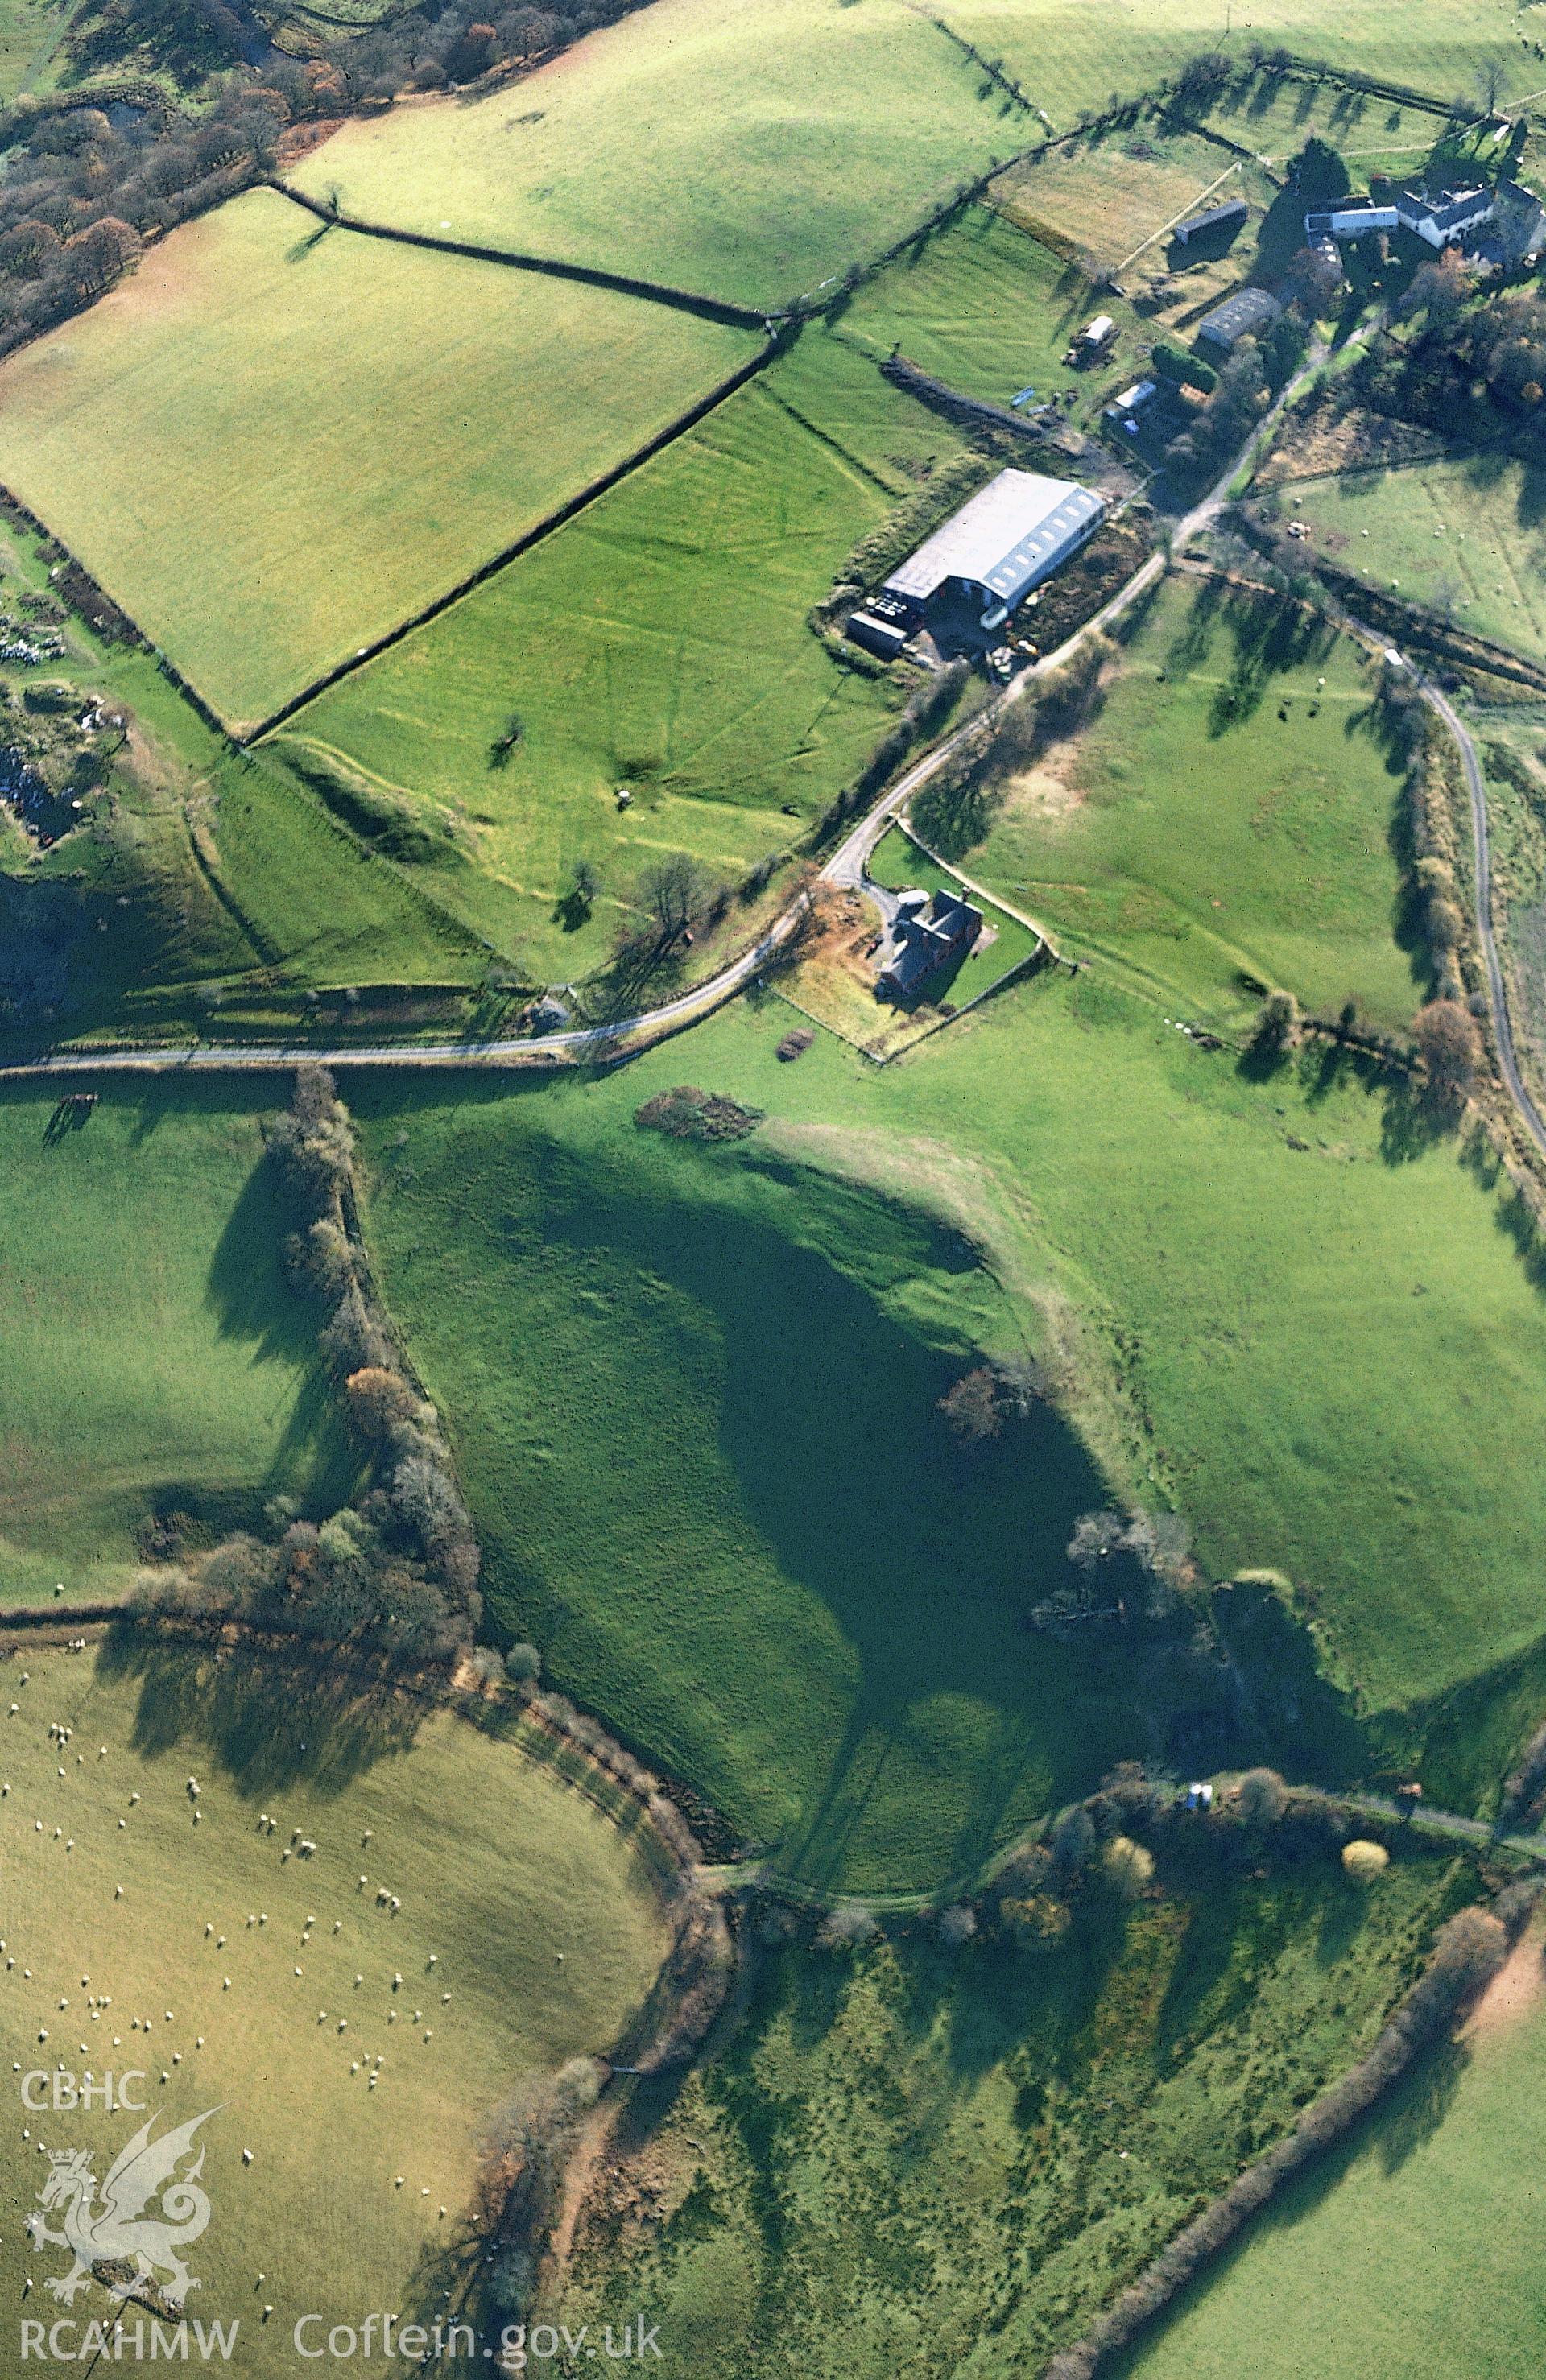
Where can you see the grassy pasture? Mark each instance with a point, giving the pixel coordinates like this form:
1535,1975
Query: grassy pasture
747,150
958,2155
1469,530
30,32
756,1549
156,1357
659,641
1282,1291
1108,194
271,447
1191,833
1415,2251
1069,56
1276,1298
988,308
540,1922
1289,1310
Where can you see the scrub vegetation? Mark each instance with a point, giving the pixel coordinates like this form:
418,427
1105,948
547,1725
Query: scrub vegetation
974,2141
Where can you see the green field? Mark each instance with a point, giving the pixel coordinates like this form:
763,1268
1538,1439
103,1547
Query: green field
30,32
271,445
991,310
749,151
1191,836
528,1933
157,1359
1467,536
1070,55
947,2160
1417,2250
1274,1296
753,1547
669,145
659,642
1107,195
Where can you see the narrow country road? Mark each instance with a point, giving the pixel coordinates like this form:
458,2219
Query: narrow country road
591,1044
596,1042
1447,1822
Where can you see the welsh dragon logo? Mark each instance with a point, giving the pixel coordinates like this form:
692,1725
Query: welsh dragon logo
115,2228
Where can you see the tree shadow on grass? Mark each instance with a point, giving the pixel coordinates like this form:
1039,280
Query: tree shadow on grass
1412,1124
253,1301
1270,638
247,1290
1515,1219
1418,2109
279,1718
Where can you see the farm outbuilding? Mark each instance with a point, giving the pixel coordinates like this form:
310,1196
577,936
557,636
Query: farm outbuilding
1003,542
1129,401
1248,311
1091,344
1214,223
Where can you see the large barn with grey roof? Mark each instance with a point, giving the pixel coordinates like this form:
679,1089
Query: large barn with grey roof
1002,544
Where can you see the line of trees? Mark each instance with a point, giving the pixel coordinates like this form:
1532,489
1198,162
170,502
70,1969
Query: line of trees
396,1570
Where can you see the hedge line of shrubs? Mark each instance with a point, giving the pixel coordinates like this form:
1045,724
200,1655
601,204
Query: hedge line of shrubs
1470,1950
396,1571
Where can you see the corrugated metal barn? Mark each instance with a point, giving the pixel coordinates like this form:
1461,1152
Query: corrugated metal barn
1003,542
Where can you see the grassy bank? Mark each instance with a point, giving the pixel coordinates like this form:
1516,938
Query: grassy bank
695,1408
198,882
